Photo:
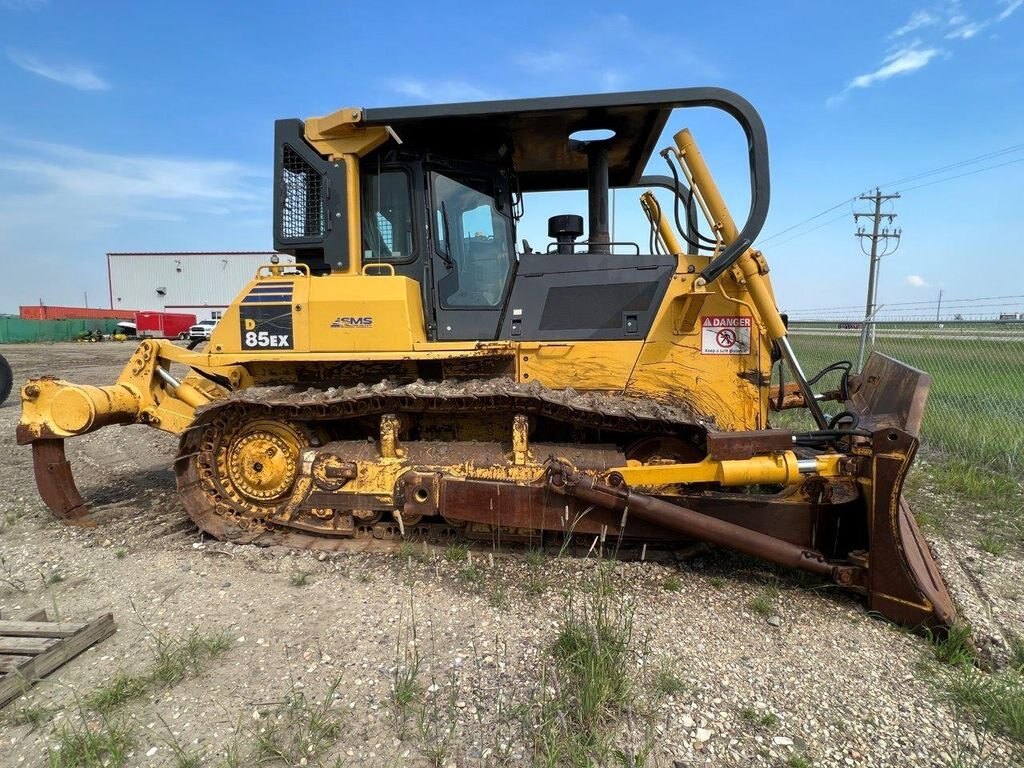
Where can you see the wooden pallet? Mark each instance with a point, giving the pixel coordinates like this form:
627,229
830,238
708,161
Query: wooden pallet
33,647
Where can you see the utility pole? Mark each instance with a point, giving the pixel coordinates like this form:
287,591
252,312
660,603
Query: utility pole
938,310
878,235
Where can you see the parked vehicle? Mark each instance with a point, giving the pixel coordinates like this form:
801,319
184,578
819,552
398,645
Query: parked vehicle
163,325
200,332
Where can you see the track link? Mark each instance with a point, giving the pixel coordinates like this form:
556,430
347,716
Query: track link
301,415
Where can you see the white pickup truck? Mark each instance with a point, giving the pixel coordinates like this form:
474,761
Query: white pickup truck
201,330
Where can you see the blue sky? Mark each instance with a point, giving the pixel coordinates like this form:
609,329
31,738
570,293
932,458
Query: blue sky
146,126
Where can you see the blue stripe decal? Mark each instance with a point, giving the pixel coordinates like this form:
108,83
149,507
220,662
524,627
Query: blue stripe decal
267,298
272,289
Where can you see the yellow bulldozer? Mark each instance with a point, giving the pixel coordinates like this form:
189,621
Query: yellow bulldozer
416,374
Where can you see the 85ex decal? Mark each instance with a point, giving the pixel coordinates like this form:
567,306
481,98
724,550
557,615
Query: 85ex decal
267,327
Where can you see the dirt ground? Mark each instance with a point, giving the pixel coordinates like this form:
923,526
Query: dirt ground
813,679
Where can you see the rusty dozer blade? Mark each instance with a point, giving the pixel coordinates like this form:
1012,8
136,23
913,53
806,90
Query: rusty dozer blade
884,556
904,583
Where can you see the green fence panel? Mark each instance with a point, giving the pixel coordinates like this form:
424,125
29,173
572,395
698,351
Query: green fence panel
15,330
975,408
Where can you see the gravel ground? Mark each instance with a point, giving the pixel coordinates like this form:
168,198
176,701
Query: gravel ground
816,679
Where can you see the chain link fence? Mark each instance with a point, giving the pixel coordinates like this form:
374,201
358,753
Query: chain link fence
975,409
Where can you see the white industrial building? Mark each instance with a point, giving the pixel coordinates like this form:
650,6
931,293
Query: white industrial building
202,284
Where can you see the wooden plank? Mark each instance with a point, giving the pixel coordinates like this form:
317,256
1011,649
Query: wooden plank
37,615
14,683
7,663
40,628
26,645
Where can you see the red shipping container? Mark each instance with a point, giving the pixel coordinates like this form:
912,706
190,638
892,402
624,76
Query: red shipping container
46,312
164,325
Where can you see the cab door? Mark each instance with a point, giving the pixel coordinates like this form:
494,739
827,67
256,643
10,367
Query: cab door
472,255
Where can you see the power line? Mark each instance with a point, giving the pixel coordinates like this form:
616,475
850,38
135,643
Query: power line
812,218
905,179
842,215
961,163
968,173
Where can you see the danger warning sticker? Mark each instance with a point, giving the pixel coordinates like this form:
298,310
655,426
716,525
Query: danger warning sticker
725,335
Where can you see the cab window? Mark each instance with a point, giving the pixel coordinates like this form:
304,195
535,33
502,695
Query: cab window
387,216
473,241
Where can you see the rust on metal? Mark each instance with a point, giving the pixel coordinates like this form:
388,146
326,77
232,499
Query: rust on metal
55,480
904,582
890,393
687,522
726,446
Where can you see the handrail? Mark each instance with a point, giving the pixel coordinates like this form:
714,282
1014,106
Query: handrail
278,270
378,265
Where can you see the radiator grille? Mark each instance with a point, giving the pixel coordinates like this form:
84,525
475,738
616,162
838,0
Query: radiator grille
302,205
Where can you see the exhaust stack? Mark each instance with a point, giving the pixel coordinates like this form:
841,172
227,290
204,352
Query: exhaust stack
599,237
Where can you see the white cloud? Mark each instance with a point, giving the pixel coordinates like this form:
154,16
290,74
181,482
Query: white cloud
125,179
78,76
1011,7
916,281
944,19
902,62
576,61
579,56
438,91
917,20
966,31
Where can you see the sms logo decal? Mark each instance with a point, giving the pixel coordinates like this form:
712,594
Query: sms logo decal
353,322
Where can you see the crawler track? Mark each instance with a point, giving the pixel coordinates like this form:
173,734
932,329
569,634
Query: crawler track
427,410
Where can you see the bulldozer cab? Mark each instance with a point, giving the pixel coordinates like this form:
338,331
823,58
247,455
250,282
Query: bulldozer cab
440,191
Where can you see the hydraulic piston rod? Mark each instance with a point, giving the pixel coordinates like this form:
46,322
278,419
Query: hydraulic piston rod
686,521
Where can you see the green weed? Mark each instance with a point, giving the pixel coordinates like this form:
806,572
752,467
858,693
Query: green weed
667,682
592,671
998,700
456,553
535,586
121,688
471,574
764,603
758,717
992,543
32,715
535,557
499,596
298,730
177,657
105,744
956,648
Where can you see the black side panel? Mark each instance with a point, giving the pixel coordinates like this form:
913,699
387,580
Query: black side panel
309,201
586,296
